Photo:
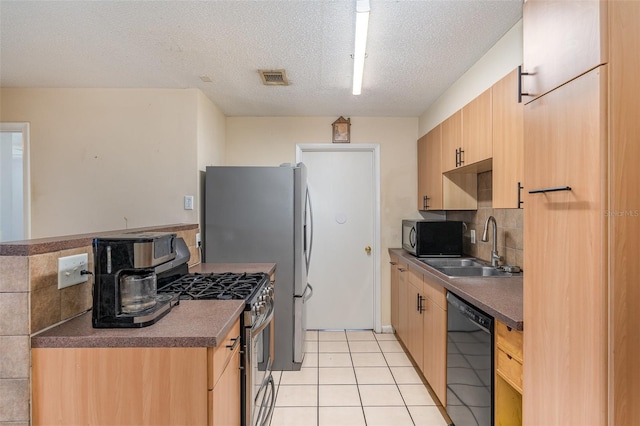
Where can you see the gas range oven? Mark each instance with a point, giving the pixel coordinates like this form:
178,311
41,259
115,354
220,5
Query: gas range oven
256,338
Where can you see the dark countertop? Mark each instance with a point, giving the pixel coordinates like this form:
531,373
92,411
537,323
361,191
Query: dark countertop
500,297
47,245
193,323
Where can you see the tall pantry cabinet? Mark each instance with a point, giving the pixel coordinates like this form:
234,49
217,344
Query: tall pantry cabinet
582,224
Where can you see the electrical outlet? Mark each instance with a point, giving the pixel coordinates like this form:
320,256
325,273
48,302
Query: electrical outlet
198,241
188,202
70,268
473,236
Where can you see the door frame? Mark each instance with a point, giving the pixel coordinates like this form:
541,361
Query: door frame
375,150
23,127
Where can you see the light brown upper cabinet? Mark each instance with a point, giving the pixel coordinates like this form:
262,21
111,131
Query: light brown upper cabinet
430,171
508,136
561,40
451,141
476,130
466,135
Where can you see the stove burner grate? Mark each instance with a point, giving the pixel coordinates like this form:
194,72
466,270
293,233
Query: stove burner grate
220,286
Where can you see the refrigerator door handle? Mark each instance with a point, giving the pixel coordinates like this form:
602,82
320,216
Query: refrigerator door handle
308,249
304,295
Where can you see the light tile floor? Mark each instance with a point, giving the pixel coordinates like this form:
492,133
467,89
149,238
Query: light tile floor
353,378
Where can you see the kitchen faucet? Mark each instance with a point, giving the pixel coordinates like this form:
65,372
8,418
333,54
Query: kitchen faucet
495,258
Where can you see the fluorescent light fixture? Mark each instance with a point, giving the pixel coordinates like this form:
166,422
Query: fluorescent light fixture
362,27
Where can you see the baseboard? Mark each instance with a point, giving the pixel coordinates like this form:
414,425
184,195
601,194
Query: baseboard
387,328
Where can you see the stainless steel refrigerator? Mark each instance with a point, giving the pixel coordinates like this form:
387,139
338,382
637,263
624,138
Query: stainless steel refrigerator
263,214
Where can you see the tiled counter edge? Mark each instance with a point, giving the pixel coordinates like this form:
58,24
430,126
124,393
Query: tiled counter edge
30,301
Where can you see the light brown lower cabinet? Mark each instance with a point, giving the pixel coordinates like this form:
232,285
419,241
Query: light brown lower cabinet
422,323
435,338
224,399
508,378
136,386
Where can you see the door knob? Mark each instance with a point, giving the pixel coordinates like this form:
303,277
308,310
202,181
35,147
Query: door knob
368,249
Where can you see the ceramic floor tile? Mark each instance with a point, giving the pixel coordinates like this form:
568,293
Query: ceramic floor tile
360,335
390,346
427,416
338,396
380,395
368,359
297,396
324,336
310,360
294,416
310,347
374,376
364,346
385,336
397,359
333,346
311,335
328,359
276,376
305,376
336,376
406,375
416,395
341,416
386,416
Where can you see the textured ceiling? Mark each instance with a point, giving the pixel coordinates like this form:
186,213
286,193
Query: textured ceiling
415,51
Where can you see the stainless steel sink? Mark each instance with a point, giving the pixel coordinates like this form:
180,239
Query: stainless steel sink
472,271
449,262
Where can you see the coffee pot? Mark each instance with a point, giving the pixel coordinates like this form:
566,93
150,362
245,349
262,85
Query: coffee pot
125,281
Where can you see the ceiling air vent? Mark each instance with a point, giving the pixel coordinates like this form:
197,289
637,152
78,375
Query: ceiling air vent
274,77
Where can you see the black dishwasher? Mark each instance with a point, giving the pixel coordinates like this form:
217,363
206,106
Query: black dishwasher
469,364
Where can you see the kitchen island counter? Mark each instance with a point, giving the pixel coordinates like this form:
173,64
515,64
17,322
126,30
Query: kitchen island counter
192,323
500,297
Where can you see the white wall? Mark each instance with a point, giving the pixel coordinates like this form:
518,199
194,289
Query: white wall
499,61
272,141
104,159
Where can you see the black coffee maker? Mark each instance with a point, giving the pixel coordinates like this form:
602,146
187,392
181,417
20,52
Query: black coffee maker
125,281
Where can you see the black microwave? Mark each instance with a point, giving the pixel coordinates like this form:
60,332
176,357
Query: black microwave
424,238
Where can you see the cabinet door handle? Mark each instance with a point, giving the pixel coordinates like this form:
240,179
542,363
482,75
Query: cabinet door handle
420,305
457,157
425,202
520,93
553,189
520,202
461,157
235,343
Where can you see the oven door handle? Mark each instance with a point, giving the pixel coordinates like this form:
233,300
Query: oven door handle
263,324
268,397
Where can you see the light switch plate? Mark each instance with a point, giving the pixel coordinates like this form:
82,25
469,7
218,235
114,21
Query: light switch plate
188,202
69,270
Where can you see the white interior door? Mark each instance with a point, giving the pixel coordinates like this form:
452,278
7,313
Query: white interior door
343,186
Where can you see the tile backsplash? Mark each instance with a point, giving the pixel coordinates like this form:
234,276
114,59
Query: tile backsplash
509,223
